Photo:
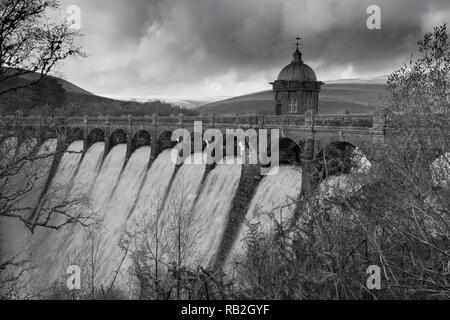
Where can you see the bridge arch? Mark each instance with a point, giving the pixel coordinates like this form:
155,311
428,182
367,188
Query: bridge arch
164,141
289,151
118,136
74,134
140,139
95,135
48,133
27,132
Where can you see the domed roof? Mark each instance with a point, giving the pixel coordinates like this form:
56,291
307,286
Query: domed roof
297,70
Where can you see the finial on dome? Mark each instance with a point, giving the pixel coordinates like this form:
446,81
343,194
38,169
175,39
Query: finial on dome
298,42
297,56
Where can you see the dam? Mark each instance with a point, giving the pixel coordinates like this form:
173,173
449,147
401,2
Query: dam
119,172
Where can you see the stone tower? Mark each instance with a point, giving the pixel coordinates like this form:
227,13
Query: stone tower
296,90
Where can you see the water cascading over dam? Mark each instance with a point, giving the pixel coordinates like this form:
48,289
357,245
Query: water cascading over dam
183,208
276,194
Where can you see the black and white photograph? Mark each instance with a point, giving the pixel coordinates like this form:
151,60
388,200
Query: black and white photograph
212,152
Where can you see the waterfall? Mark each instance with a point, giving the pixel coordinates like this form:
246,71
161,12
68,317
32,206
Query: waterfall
108,177
154,190
212,211
120,206
13,233
36,173
46,244
185,214
163,214
177,223
70,239
85,178
62,180
274,195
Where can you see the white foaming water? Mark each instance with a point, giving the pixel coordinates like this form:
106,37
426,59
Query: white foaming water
275,194
154,191
117,213
28,186
175,222
212,212
108,177
62,180
70,240
45,244
13,233
86,175
37,172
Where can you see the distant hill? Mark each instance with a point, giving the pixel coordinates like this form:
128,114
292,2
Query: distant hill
355,96
78,102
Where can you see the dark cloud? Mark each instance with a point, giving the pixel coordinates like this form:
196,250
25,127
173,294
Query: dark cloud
220,47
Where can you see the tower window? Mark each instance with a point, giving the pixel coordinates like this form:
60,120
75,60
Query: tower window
293,105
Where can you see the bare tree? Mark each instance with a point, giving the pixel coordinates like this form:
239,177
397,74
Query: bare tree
24,173
30,44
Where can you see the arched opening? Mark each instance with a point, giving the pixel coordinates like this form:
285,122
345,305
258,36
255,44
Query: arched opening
74,134
165,141
340,158
48,133
27,133
96,135
119,136
289,151
141,138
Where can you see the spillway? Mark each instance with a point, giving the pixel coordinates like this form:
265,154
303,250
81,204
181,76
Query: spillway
70,240
153,193
108,177
116,215
45,247
212,210
169,225
184,210
62,180
36,173
275,194
13,234
89,168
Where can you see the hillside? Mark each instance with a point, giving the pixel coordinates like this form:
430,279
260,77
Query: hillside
336,97
77,102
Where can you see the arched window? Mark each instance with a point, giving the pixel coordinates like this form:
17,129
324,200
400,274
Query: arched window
293,105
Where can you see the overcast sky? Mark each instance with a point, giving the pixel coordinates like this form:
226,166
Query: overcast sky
211,48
